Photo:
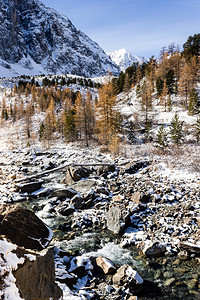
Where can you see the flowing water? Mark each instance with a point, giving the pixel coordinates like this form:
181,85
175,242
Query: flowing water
165,278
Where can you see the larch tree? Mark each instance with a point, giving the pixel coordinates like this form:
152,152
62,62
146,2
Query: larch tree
106,114
50,122
79,117
84,116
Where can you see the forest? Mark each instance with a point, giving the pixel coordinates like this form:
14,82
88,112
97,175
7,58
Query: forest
91,113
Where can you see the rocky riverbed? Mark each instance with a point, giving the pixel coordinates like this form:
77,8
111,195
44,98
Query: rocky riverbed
122,228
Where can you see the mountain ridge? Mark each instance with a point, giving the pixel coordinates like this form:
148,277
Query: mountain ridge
36,38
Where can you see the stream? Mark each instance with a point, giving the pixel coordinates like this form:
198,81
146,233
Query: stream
165,277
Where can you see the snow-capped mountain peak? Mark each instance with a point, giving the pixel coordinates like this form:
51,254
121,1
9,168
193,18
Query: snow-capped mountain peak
125,59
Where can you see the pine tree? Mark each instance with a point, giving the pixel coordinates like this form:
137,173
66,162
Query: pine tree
193,102
164,94
176,130
162,139
159,86
69,125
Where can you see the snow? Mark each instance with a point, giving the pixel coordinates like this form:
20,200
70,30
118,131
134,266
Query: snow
133,274
79,261
8,262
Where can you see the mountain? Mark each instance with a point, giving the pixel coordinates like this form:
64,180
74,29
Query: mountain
36,39
124,59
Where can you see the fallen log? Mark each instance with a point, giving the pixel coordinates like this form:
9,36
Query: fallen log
44,173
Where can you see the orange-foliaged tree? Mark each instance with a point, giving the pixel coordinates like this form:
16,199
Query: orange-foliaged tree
107,124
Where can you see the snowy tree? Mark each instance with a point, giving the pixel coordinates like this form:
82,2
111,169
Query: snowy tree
161,141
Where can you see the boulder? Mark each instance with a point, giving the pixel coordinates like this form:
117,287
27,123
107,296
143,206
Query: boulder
183,255
75,174
105,170
139,197
30,187
190,247
105,265
66,210
77,201
84,186
117,218
154,249
128,277
36,279
132,168
63,193
22,227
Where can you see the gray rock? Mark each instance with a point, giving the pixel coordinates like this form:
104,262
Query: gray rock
84,186
105,170
63,193
132,168
190,247
117,218
66,210
30,187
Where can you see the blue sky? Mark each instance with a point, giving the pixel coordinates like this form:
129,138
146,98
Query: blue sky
142,27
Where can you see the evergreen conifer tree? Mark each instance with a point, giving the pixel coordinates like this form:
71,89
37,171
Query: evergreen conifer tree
161,139
176,130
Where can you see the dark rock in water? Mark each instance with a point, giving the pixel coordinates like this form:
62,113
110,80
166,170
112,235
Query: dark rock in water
65,226
63,193
77,201
36,279
30,187
66,210
190,247
134,168
22,227
75,174
154,249
117,218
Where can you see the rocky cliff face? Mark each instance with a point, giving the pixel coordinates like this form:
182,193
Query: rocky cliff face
38,38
